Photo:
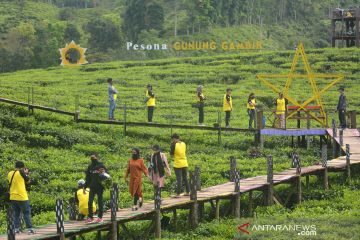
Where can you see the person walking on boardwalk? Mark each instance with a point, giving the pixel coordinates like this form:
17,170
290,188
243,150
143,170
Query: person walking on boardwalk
94,174
251,105
178,152
227,106
341,107
150,102
18,179
200,104
82,199
159,167
280,103
136,168
112,98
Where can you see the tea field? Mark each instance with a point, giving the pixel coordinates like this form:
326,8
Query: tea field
56,149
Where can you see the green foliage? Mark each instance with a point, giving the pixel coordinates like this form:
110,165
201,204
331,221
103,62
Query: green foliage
142,15
71,33
104,34
57,167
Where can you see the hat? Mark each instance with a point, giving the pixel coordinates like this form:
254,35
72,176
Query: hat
137,150
149,85
19,164
81,182
156,147
175,135
94,156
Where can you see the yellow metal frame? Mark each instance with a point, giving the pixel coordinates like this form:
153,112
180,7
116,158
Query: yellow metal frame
72,45
300,52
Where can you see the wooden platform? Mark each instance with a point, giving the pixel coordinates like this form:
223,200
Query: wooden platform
293,132
225,190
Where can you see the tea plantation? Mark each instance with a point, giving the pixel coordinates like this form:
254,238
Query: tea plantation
56,149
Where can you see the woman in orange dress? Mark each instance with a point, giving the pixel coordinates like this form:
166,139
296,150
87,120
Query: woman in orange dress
135,168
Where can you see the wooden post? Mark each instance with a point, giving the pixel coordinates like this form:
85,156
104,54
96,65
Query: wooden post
59,209
298,179
232,168
270,188
29,107
334,129
114,207
251,203
307,179
171,122
32,99
77,109
72,212
198,178
298,126
352,116
193,197
296,163
341,137
308,127
219,129
72,209
348,174
259,120
198,188
175,219
324,165
10,223
237,195
125,119
157,216
217,209
298,189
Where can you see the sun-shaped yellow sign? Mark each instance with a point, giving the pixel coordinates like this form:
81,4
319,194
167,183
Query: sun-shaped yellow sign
72,55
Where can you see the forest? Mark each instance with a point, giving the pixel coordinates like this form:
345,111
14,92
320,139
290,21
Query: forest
31,32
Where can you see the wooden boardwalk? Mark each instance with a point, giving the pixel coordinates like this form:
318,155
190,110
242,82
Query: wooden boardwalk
210,194
77,119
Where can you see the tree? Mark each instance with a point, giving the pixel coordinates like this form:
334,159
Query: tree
142,15
104,34
71,33
20,43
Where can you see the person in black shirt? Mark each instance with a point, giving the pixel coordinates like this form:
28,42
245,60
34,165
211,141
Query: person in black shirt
341,107
93,181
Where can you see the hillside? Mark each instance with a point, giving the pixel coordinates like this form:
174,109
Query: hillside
56,149
31,32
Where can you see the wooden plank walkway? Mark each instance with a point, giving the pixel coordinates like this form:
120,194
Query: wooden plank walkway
122,123
221,191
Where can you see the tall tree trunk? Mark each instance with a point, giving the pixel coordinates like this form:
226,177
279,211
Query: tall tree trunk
175,25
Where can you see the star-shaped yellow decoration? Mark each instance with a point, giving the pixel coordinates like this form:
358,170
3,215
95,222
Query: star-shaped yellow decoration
65,59
300,52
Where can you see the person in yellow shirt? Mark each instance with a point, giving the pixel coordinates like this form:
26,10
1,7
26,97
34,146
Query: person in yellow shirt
178,153
18,179
82,199
281,104
150,102
251,106
227,106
